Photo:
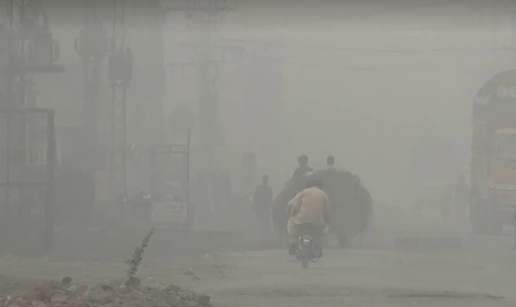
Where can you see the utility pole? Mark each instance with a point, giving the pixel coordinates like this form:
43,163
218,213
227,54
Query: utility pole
92,46
204,16
155,68
7,45
120,76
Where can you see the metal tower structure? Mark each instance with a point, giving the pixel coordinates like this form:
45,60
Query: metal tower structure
154,61
27,47
204,16
93,47
120,75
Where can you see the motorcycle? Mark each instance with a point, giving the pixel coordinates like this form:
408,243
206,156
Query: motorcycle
307,250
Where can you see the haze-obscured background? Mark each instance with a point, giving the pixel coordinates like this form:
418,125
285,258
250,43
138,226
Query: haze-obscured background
359,80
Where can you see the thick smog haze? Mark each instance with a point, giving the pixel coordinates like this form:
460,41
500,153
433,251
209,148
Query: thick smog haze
360,80
257,153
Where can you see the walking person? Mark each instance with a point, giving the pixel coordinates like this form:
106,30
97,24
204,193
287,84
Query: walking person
262,205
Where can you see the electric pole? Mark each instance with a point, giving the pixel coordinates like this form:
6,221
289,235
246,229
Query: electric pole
154,63
8,51
92,46
205,16
120,76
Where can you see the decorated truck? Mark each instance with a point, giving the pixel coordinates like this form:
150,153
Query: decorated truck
493,155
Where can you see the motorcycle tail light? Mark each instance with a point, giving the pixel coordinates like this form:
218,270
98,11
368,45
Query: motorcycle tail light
306,238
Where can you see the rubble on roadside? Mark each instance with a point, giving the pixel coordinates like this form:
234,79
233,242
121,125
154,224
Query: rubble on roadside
55,294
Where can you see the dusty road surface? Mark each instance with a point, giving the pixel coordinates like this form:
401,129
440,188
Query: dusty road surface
359,278
482,274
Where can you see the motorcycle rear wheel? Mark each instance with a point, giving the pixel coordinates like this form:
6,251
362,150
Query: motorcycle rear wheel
304,256
304,263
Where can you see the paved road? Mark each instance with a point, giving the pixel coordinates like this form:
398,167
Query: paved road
365,278
482,274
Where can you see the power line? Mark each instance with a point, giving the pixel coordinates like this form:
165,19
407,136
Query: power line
481,47
332,67
358,68
403,51
392,9
368,68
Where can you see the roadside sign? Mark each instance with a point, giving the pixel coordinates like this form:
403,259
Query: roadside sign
169,214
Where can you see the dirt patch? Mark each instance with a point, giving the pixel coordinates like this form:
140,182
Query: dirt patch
53,294
311,290
8,284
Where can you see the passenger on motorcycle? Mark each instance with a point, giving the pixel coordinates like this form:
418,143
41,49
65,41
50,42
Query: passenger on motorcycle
310,206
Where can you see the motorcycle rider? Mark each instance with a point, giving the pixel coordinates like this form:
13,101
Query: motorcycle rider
309,206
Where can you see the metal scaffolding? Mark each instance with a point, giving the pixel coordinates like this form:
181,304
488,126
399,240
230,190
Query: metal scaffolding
92,46
205,16
28,47
120,76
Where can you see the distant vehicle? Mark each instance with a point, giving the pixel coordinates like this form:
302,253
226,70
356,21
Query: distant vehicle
493,155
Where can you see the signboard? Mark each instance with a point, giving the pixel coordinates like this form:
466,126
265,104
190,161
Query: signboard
169,214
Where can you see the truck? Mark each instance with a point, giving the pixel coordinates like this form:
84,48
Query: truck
493,155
